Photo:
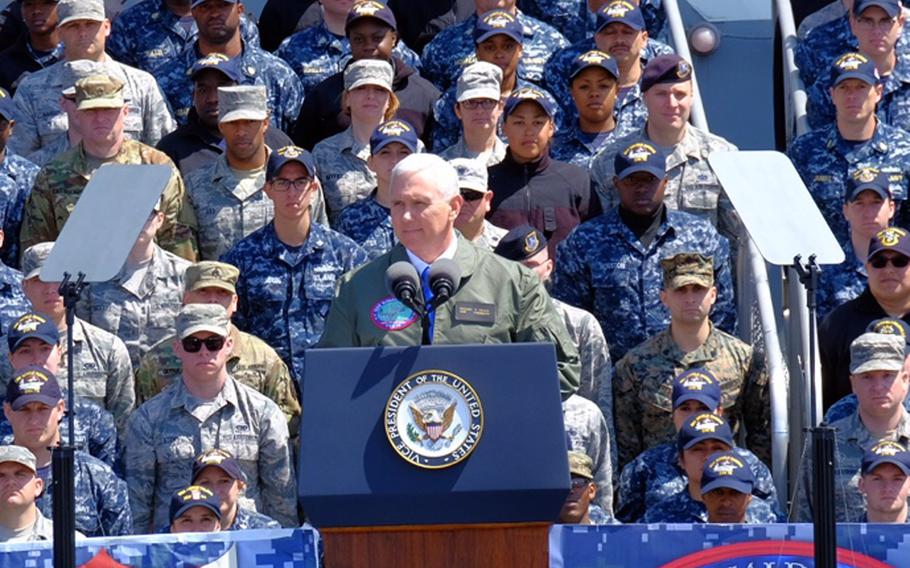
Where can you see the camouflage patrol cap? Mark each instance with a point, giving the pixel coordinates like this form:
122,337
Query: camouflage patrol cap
472,174
242,102
210,273
99,91
620,11
194,496
521,243
20,455
7,107
370,9
34,257
497,22
886,451
479,80
726,469
581,464
73,10
701,427
665,69
687,268
892,238
222,459
72,71
33,384
368,72
876,352
194,318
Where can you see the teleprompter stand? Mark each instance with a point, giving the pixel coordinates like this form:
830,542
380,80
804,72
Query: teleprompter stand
93,244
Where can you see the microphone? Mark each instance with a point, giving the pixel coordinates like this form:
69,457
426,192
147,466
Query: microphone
402,281
444,277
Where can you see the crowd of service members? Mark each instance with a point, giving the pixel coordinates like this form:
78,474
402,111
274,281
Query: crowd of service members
544,146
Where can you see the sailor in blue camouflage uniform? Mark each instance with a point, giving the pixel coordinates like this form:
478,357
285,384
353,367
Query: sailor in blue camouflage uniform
12,299
453,48
288,269
825,157
610,265
621,33
823,44
259,67
701,436
576,20
868,208
369,220
220,472
656,474
315,53
21,173
149,34
102,505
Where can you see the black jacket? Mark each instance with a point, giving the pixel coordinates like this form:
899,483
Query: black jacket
14,62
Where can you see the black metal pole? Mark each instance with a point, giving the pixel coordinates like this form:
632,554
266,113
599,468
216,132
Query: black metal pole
824,524
63,455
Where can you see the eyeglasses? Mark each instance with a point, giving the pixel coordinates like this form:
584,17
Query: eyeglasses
474,104
471,195
300,184
879,261
883,24
194,344
579,482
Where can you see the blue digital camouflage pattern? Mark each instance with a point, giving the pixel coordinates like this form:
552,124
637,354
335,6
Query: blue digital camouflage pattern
655,475
576,21
13,302
598,516
315,54
682,508
246,519
453,49
630,110
259,67
576,147
839,283
284,294
893,108
149,36
22,172
824,160
102,501
604,268
369,224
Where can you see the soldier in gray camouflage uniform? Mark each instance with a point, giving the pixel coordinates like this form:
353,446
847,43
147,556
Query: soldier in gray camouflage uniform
471,220
40,119
644,376
692,186
880,379
207,408
102,505
227,194
478,107
586,432
14,461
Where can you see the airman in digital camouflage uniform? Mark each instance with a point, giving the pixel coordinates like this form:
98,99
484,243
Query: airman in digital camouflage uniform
692,186
699,438
317,52
656,474
453,48
102,504
150,34
252,362
621,33
288,269
207,408
21,173
644,381
60,183
368,221
139,303
825,157
478,108
219,471
20,506
40,118
880,379
259,67
611,264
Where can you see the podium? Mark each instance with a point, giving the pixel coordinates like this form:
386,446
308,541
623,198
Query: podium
451,455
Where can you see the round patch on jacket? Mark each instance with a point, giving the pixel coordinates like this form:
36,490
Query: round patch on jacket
391,315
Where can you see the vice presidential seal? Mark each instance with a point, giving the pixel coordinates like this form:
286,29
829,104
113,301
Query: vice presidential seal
433,419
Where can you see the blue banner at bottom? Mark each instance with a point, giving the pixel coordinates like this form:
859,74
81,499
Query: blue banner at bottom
297,548
723,546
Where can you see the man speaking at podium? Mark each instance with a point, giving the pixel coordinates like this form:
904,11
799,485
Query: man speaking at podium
435,287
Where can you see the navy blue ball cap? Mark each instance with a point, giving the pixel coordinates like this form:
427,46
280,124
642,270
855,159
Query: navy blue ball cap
892,238
697,384
665,69
854,66
521,243
640,156
532,94
891,7
726,469
33,384
867,179
890,326
370,9
701,427
886,451
594,58
497,22
194,496
227,66
198,2
222,459
281,156
7,106
620,11
396,130
31,325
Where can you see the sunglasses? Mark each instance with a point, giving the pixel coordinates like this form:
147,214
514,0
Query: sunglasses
899,261
471,195
194,344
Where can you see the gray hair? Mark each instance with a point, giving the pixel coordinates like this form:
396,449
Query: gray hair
445,178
